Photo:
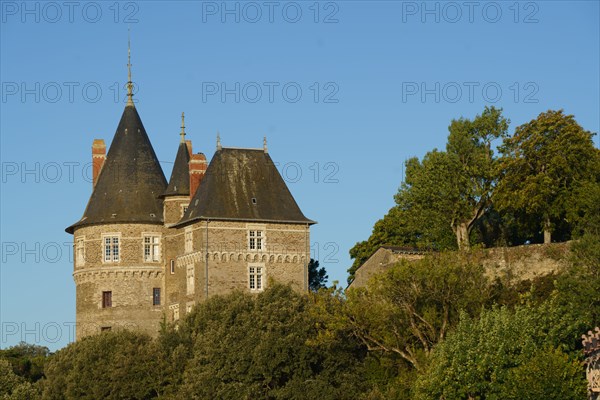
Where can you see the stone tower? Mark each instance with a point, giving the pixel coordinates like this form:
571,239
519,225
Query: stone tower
147,250
118,270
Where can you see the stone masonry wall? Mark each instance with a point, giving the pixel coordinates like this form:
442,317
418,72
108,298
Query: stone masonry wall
131,280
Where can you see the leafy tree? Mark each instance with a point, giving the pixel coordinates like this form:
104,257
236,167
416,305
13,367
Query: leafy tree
411,307
317,277
266,346
27,360
543,167
455,186
396,228
494,356
14,387
110,365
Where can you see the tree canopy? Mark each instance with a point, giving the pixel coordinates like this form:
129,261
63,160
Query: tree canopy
545,169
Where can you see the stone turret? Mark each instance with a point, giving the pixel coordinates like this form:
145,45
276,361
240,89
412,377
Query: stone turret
119,268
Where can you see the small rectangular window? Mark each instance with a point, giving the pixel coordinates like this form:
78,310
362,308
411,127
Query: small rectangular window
80,251
172,267
190,279
189,241
156,296
255,240
151,248
106,299
255,278
105,328
111,248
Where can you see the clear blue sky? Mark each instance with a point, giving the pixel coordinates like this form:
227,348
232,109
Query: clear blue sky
380,82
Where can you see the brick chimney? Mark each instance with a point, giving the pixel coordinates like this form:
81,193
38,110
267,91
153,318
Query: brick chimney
98,158
197,169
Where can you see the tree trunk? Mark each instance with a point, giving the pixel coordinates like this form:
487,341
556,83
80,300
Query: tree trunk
462,236
547,232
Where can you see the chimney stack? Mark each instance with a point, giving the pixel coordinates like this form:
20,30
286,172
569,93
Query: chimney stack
98,158
198,167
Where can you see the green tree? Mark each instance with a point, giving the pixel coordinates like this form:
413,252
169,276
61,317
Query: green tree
396,228
494,356
411,307
317,277
110,365
14,387
542,167
27,360
456,185
265,346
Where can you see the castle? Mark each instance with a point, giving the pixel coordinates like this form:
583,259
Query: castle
147,250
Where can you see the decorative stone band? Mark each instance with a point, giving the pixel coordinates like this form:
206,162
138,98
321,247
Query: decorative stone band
91,274
248,256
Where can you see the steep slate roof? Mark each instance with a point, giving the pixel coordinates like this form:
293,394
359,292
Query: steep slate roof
233,179
131,179
179,183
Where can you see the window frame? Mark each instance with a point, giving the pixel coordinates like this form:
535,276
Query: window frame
80,251
154,247
190,279
107,299
256,238
156,296
111,253
189,240
256,277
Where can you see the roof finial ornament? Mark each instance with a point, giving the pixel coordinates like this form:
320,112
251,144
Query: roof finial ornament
182,128
129,82
265,144
218,141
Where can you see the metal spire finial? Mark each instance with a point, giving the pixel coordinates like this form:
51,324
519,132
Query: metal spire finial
129,82
218,141
265,144
182,128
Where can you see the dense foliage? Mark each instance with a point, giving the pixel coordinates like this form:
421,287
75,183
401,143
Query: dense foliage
436,328
542,183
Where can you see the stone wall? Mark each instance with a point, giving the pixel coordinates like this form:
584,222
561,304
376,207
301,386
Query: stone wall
283,258
510,264
131,280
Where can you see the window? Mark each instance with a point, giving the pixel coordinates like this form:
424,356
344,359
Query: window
105,328
255,240
175,311
172,267
188,308
189,243
156,296
151,248
106,299
190,279
111,248
184,208
255,277
80,251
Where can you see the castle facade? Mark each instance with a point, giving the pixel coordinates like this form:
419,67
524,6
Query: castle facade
147,250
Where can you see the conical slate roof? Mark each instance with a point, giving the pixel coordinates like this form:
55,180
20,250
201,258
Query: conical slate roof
243,185
131,180
179,183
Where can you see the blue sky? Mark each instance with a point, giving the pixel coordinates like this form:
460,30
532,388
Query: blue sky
345,91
